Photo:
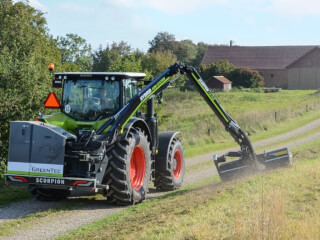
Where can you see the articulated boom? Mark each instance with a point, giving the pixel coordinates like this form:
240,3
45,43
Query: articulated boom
248,161
158,84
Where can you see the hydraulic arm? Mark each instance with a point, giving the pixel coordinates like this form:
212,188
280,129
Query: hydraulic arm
248,160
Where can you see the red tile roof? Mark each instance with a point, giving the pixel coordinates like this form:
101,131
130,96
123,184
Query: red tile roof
222,79
268,57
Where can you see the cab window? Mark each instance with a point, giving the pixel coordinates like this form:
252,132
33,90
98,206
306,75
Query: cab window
130,89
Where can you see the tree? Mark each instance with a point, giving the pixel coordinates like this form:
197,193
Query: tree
163,42
222,67
110,58
244,77
201,49
75,52
122,48
240,77
157,62
186,51
26,49
130,64
105,59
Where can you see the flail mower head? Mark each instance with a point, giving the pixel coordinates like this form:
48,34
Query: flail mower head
247,164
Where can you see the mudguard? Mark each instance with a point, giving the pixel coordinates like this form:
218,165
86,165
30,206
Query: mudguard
165,138
137,123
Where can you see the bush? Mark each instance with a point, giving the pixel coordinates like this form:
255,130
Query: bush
26,49
221,67
240,77
244,77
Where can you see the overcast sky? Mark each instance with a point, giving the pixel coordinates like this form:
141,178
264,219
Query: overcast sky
246,22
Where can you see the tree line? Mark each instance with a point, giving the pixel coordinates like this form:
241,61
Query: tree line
26,49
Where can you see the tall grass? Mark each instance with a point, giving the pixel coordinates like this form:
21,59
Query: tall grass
283,204
256,113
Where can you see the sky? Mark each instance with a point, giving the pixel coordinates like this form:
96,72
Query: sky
245,22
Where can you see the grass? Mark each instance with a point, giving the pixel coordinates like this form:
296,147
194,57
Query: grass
282,204
258,150
261,115
12,194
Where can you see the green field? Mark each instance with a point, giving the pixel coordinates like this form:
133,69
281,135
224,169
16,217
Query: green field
283,204
259,114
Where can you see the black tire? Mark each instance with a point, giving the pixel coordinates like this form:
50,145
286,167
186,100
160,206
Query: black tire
133,154
48,194
171,177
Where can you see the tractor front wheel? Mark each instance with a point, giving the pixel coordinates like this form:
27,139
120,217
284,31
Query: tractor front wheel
129,167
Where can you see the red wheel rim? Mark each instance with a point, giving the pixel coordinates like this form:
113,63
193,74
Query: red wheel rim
177,166
137,168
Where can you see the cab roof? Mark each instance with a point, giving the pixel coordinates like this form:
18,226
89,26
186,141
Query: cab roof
134,75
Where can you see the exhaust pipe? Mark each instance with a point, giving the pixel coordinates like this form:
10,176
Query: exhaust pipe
245,165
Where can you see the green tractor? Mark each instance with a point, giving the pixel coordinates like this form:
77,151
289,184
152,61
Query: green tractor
101,141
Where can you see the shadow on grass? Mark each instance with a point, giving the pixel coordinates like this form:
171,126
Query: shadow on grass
11,194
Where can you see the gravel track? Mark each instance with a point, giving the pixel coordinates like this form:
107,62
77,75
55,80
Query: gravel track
53,226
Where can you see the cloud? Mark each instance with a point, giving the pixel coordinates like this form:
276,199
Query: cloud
37,5
123,3
296,7
180,6
76,8
166,6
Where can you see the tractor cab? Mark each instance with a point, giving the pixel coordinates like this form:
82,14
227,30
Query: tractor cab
92,96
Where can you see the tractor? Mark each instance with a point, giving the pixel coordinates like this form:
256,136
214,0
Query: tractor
102,141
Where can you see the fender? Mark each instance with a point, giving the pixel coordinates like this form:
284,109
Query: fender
165,139
136,123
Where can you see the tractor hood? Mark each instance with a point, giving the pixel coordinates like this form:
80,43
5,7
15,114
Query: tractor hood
62,120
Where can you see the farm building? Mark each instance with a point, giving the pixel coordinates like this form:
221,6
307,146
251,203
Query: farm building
292,67
219,82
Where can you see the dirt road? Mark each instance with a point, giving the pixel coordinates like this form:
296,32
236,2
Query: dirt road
52,226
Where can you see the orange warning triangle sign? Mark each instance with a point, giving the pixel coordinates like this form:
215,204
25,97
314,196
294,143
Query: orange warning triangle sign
52,101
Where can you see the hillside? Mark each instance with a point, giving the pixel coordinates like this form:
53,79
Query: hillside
259,114
281,204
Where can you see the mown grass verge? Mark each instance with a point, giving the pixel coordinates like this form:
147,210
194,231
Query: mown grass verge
283,204
261,115
258,150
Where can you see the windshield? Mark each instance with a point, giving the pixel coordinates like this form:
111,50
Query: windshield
87,100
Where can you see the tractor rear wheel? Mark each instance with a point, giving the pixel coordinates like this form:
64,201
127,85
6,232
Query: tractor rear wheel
129,167
48,194
169,175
